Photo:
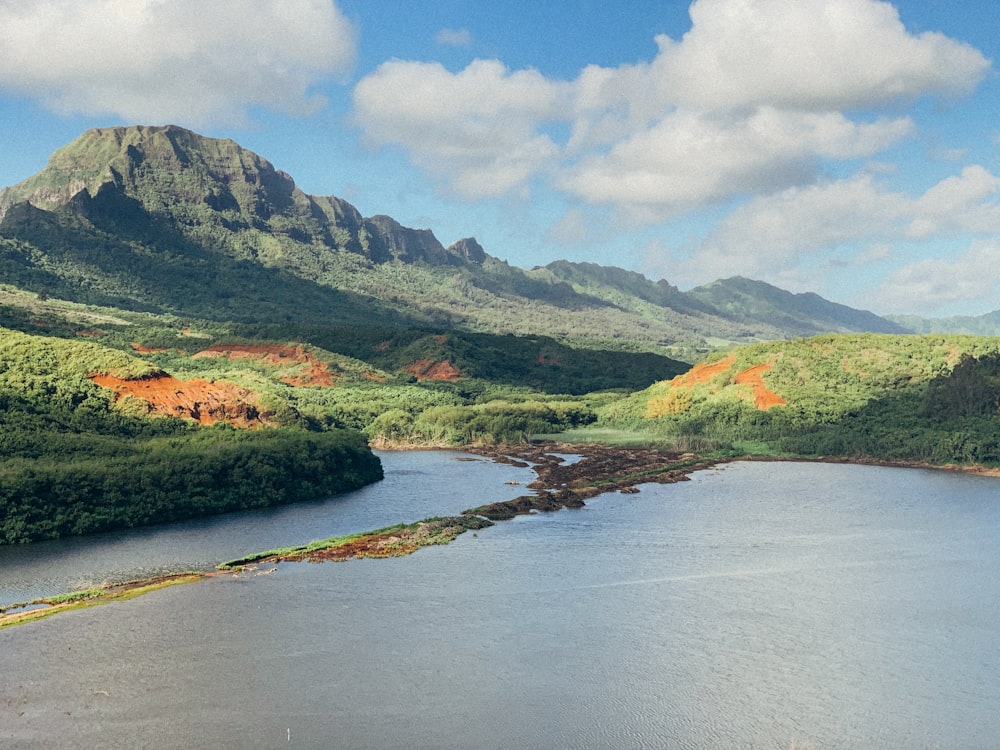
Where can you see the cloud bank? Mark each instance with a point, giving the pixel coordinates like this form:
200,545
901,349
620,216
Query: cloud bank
197,63
749,101
781,230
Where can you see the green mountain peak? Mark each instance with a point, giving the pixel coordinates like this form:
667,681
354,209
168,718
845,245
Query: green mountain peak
162,218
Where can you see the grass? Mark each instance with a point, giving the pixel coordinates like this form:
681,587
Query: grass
391,541
18,614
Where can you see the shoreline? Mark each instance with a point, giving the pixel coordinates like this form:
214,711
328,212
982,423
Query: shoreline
559,484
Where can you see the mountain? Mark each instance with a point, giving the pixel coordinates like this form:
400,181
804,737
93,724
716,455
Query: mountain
165,220
755,302
976,325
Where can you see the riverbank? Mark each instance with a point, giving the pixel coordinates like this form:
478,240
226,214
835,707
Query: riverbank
566,475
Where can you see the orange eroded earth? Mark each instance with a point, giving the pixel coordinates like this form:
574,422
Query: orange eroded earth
763,398
315,372
426,369
199,400
702,373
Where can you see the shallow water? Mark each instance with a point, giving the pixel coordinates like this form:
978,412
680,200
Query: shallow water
759,605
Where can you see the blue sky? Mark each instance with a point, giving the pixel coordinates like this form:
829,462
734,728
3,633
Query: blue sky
846,147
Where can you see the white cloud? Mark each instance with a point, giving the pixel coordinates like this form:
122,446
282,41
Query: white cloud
749,102
479,130
815,55
689,159
454,38
958,204
933,283
782,230
173,60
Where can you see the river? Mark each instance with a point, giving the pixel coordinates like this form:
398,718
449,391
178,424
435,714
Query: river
760,605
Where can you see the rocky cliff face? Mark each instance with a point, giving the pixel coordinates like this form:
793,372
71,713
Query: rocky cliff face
211,186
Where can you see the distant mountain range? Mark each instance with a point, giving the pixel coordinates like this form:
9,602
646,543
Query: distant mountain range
165,220
976,325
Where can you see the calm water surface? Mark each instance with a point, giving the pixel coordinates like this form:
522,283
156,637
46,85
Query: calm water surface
418,484
757,606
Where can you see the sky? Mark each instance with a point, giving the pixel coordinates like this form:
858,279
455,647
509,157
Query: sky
845,147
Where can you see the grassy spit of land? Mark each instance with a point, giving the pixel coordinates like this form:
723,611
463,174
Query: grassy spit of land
599,468
559,484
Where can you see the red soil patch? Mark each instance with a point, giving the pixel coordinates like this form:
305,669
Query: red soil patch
369,545
763,398
426,369
199,400
315,372
702,373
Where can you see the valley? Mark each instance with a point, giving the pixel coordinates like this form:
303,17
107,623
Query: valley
174,298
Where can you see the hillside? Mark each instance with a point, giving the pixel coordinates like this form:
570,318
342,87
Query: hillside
81,453
164,220
930,398
824,377
755,303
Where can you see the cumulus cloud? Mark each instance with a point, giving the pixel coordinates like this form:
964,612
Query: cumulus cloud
480,130
689,159
958,204
748,102
816,55
781,230
173,60
936,282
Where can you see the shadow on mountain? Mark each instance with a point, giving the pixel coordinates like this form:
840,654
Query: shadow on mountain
108,250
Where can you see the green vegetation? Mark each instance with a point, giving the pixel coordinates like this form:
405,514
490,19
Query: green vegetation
79,483
154,253
930,399
163,220
70,463
25,612
392,541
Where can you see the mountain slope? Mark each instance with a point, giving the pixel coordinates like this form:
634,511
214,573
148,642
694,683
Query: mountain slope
924,399
755,302
816,379
165,220
976,325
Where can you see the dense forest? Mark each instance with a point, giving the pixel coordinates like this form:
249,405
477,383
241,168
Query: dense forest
73,463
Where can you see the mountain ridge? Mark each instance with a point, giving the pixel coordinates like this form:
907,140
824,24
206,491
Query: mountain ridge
161,217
